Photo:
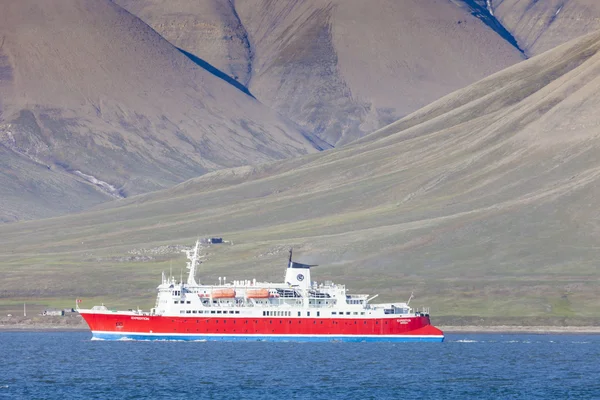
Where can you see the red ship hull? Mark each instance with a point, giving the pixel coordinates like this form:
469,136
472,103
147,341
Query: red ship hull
148,327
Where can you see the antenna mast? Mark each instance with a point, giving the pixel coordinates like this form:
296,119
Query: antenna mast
192,264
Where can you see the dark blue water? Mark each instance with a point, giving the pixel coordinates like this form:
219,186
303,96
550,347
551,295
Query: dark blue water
68,365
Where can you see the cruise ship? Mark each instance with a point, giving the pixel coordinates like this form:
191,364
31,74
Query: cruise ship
296,309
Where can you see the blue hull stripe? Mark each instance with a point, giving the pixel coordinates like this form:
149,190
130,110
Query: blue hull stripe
265,338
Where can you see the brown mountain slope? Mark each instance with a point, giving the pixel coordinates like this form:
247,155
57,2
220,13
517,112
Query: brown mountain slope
92,94
209,29
484,203
539,26
340,69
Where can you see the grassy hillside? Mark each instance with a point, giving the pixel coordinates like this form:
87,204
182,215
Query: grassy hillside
482,203
96,102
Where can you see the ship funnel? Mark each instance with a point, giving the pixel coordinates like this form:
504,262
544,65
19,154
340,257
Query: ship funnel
298,274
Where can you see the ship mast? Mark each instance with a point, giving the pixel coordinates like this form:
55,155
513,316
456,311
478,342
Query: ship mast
193,258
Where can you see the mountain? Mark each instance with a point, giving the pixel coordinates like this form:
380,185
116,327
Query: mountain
342,68
539,26
95,105
483,203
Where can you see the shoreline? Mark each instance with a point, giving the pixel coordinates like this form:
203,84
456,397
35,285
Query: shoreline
75,323
509,329
472,329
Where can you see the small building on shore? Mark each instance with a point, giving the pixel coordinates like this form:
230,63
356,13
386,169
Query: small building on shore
53,313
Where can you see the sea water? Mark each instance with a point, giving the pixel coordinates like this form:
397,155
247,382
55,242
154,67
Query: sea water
69,365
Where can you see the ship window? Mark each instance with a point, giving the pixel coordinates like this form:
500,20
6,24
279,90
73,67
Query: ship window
182,312
299,313
212,311
347,312
230,311
219,312
176,302
188,302
194,312
355,313
362,313
333,313
318,313
188,311
308,313
237,312
264,313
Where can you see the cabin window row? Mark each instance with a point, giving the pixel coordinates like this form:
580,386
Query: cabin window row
278,314
209,312
347,313
182,302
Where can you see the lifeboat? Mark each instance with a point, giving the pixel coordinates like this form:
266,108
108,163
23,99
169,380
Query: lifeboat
258,293
223,293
